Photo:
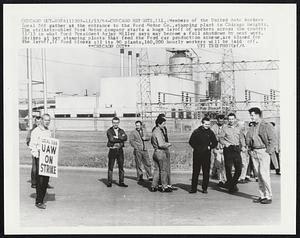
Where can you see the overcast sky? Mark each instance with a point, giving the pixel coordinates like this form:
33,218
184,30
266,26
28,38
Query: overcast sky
72,70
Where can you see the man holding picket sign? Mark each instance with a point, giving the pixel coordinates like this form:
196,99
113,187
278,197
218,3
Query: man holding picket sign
45,151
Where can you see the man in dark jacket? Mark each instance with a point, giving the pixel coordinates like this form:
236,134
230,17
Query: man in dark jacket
202,141
116,138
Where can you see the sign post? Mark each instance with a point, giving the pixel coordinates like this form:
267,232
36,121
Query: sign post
49,157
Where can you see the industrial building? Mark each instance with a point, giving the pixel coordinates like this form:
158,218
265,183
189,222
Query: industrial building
119,96
175,89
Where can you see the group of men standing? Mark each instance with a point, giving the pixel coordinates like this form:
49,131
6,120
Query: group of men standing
226,142
161,175
230,143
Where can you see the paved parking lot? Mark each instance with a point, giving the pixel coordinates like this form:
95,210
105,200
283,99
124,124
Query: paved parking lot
80,197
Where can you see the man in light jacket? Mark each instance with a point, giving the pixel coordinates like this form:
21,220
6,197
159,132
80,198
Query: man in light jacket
218,162
137,139
35,144
261,140
233,143
160,159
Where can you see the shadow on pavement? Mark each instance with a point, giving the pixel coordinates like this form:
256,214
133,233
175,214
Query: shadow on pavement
214,186
146,183
186,187
224,190
48,197
33,195
131,177
105,181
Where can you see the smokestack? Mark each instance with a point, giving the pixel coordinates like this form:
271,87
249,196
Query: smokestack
122,62
137,56
129,63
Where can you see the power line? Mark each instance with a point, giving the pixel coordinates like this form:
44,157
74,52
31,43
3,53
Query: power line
104,52
71,63
239,55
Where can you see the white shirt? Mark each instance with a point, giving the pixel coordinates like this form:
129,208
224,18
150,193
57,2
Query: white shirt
35,141
116,131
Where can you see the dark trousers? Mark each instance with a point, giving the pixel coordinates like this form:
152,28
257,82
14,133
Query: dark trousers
34,170
201,160
116,154
232,157
275,164
41,184
278,159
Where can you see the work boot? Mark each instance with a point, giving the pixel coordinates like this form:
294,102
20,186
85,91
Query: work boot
234,189
258,200
123,185
266,201
167,190
40,205
141,179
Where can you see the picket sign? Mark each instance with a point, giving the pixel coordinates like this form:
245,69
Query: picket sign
48,162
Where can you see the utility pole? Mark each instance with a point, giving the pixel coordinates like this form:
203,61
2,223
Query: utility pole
29,85
122,62
44,79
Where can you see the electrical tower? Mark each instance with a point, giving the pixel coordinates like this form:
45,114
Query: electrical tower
227,78
144,105
227,68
